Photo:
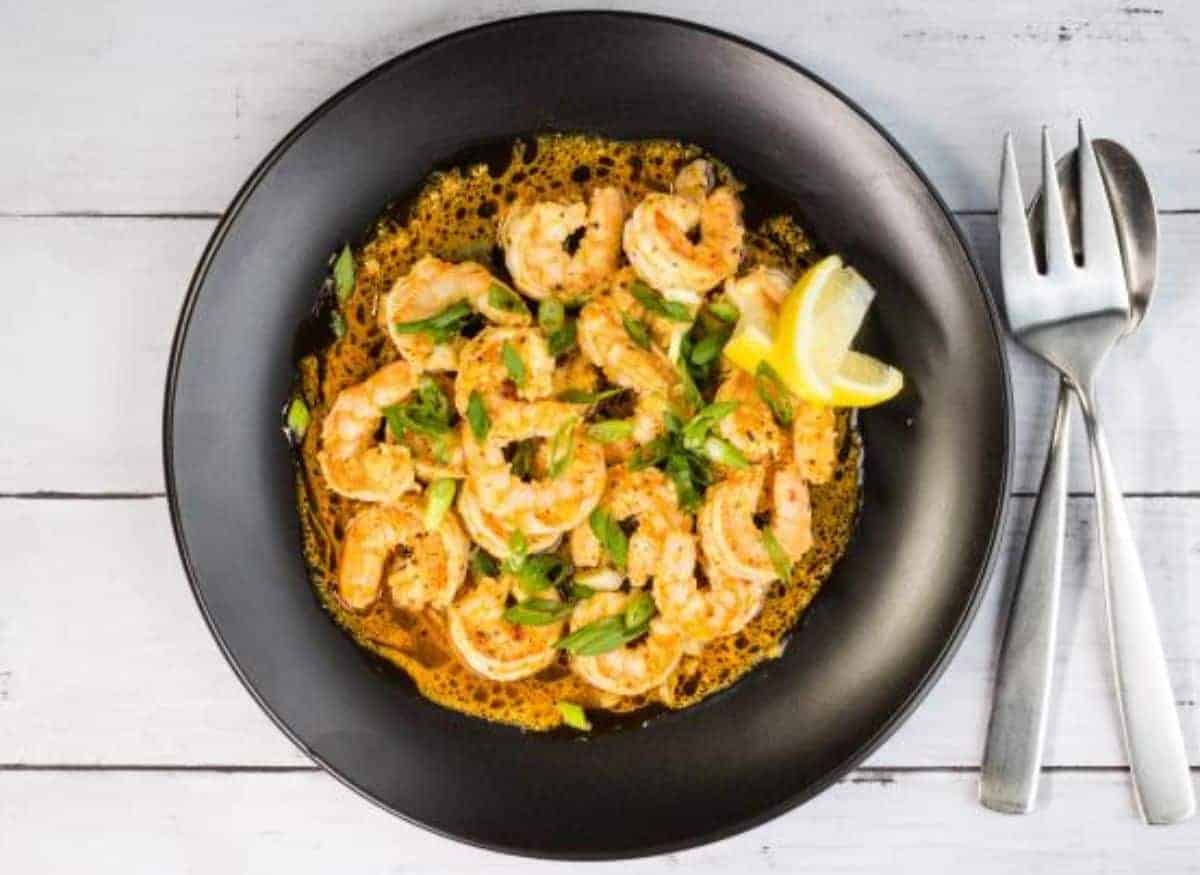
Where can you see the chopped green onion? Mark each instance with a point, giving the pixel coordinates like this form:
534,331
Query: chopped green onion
437,501
298,418
440,326
601,636
682,475
656,303
426,411
608,532
580,591
774,394
725,310
551,315
483,564
562,448
691,394
639,610
506,300
637,330
581,396
513,363
573,715
543,571
338,323
562,340
343,274
724,453
779,557
477,416
609,431
698,427
708,349
517,550
537,612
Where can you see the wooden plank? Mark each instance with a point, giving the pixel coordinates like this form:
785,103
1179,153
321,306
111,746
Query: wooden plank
83,356
99,630
205,822
138,106
103,296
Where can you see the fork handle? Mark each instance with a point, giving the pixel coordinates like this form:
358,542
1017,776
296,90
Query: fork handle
1012,759
1153,739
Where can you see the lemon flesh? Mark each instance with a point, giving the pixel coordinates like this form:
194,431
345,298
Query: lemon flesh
863,381
817,322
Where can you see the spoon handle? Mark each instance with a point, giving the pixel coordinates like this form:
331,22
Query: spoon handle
1153,739
1012,759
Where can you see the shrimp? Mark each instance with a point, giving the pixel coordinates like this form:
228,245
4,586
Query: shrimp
576,373
545,503
732,543
708,605
493,533
656,236
429,288
633,668
607,343
751,427
481,368
351,460
491,645
647,498
761,289
537,240
791,511
422,567
814,440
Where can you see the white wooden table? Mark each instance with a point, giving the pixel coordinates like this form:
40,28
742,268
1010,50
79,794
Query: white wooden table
126,743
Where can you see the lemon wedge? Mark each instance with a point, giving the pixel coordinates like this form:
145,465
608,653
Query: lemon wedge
817,321
863,381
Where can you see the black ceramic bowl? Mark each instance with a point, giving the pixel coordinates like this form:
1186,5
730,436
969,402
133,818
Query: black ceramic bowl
936,472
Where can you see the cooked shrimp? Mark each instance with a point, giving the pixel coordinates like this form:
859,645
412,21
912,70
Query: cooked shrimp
791,519
491,645
656,236
481,368
544,504
537,240
429,288
708,605
634,668
647,498
436,458
814,440
353,463
751,427
730,538
493,533
761,289
422,567
576,373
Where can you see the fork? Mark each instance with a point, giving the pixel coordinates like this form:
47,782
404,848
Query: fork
1071,316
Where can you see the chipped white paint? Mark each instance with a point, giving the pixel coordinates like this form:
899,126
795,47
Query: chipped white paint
133,106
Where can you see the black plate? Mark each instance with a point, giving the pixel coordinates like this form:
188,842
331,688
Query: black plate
936,465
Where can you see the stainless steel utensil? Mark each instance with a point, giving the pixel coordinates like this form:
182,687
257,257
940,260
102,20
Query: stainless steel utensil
1016,732
1071,316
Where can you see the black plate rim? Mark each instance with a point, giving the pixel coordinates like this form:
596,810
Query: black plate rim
898,717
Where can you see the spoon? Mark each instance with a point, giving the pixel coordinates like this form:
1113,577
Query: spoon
1012,760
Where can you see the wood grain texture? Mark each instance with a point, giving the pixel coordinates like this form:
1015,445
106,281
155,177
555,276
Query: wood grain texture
138,822
137,105
103,296
99,630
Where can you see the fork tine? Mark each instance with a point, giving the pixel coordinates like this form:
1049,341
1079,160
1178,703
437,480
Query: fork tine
1056,233
1100,246
1016,250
